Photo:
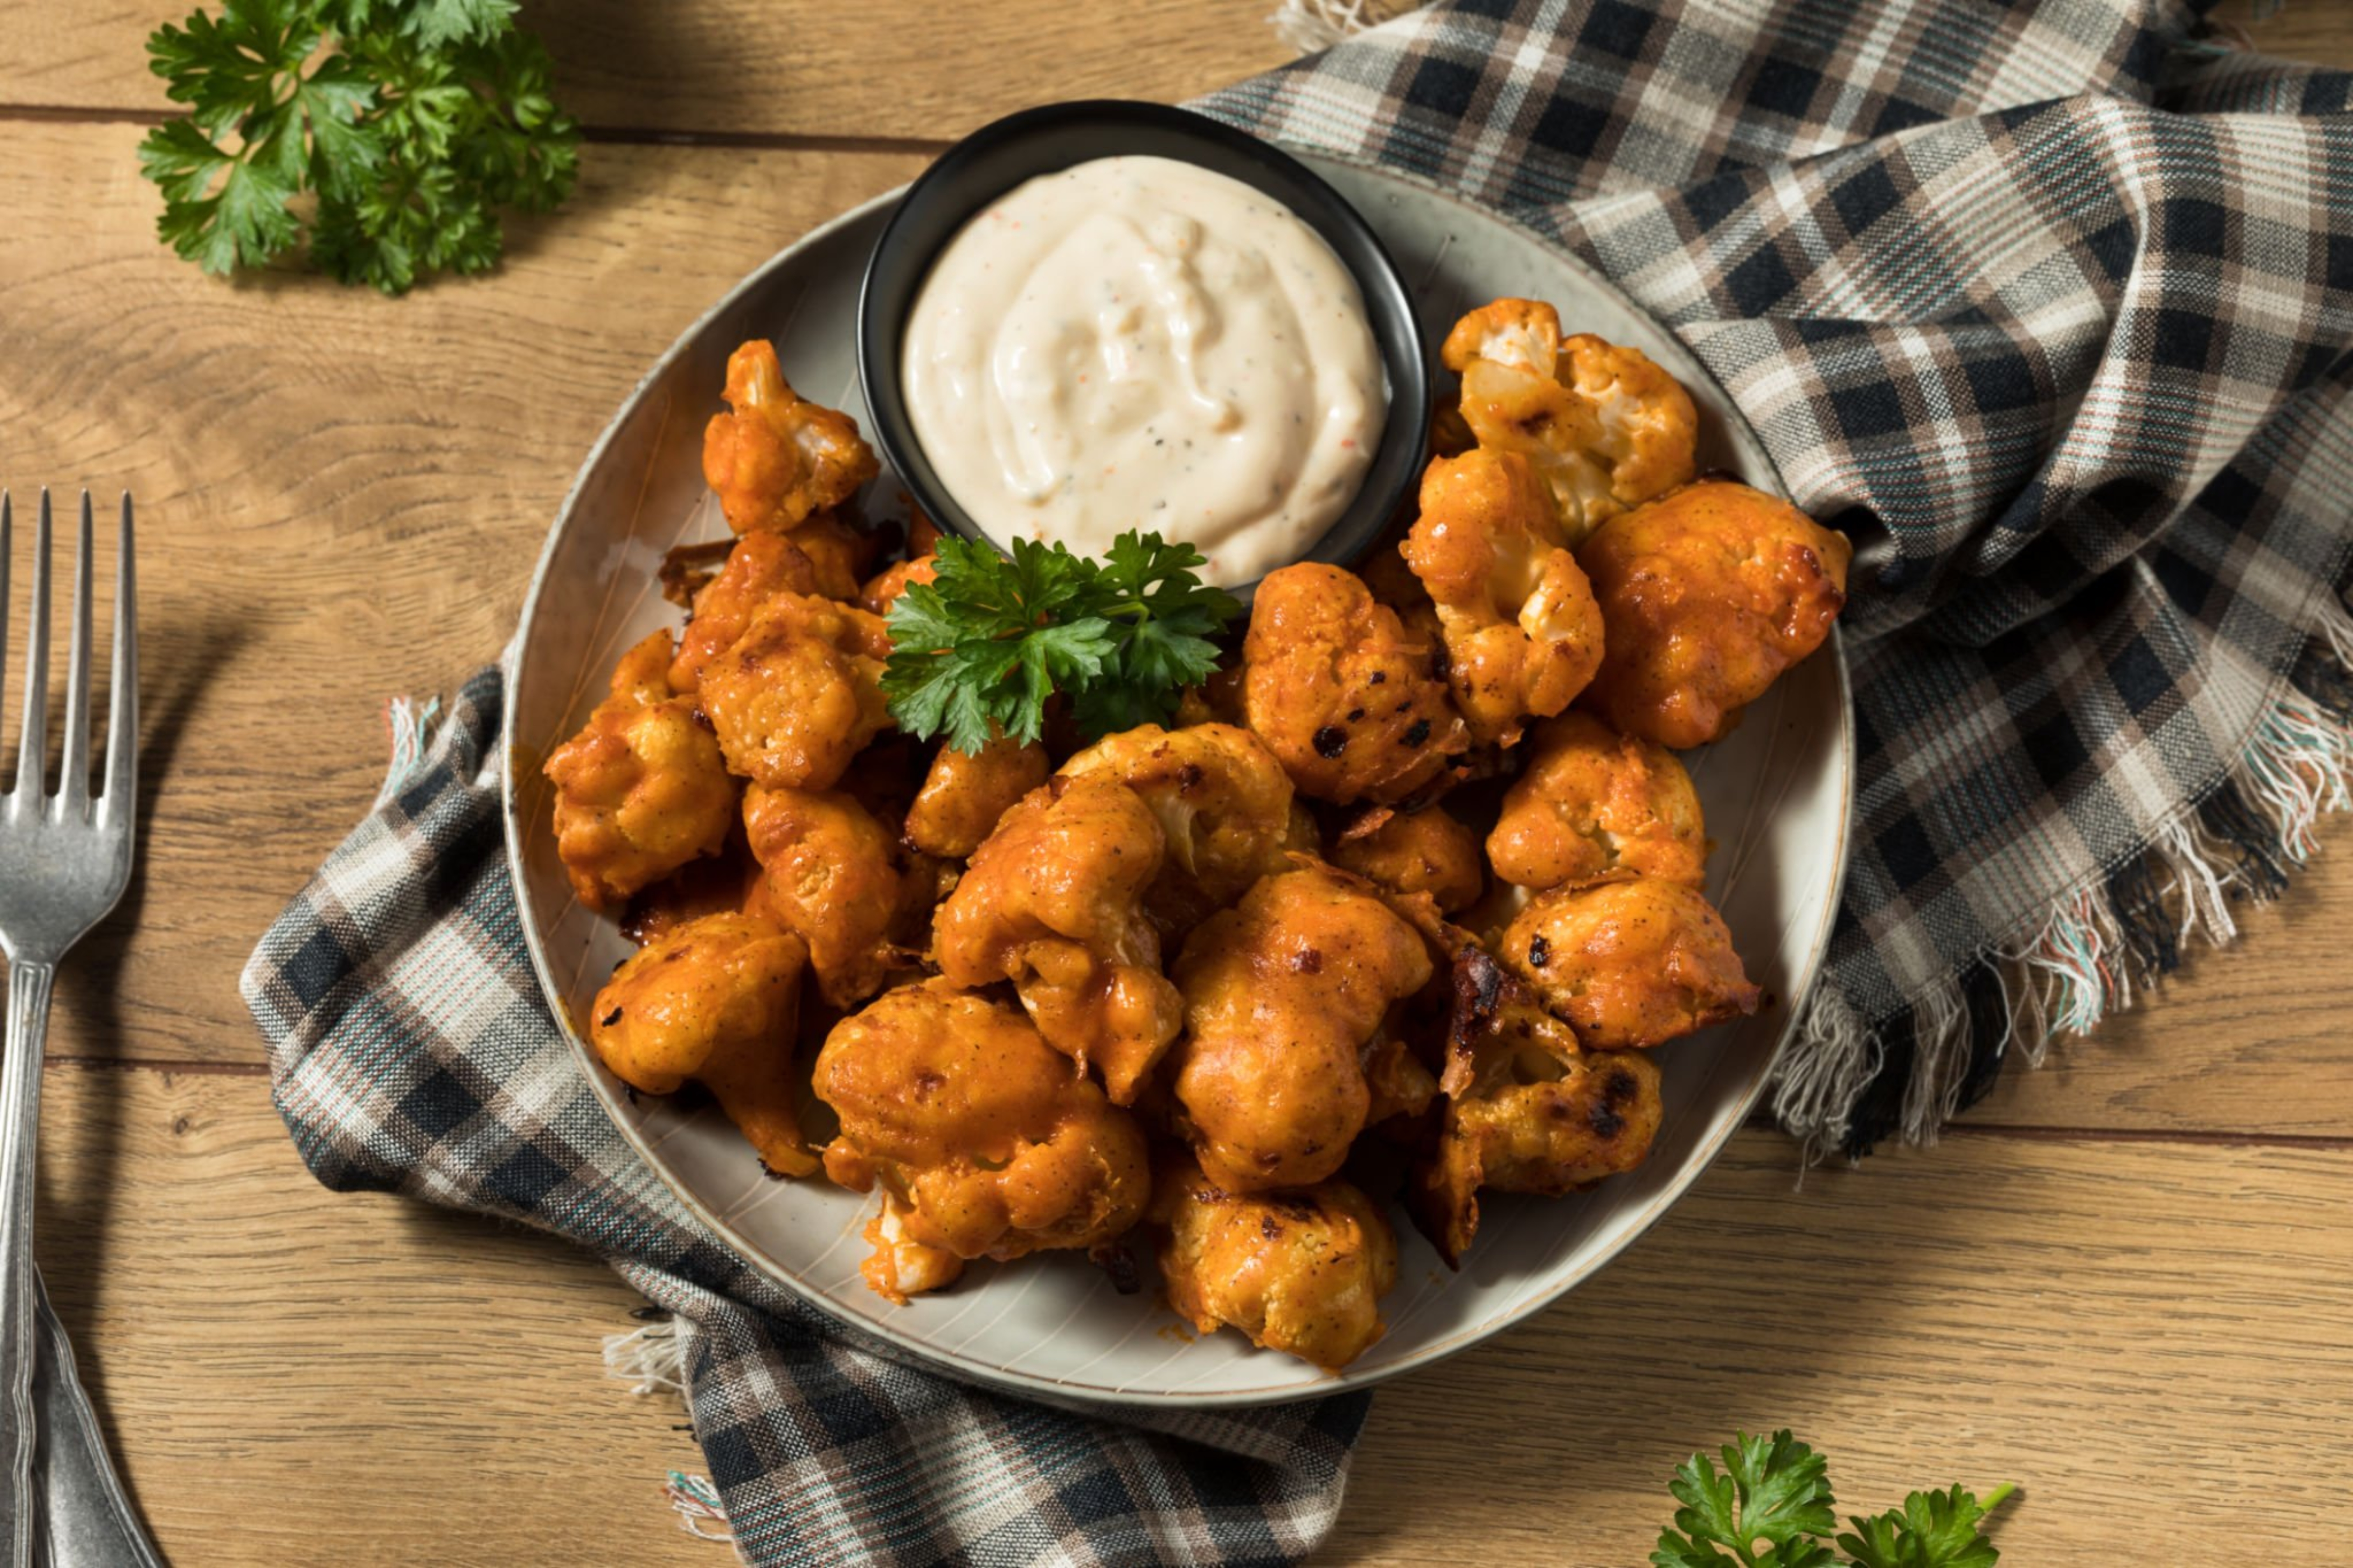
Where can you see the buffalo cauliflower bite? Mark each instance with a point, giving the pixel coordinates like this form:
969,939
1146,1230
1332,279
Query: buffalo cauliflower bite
1224,805
1301,1271
798,694
1427,851
1353,706
1592,803
884,587
774,458
715,1000
642,788
761,566
1523,633
1282,994
1602,427
1707,596
963,799
831,873
1629,964
992,1143
1527,1109
1053,901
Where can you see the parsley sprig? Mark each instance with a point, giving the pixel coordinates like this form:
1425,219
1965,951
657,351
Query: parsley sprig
1770,1507
411,125
977,650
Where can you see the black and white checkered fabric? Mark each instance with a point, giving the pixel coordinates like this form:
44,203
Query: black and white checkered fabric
2046,306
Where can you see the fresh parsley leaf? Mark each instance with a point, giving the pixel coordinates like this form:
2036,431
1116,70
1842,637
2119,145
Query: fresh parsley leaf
980,649
1770,1507
1933,1530
413,122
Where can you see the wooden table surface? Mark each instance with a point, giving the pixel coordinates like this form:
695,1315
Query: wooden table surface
2127,1282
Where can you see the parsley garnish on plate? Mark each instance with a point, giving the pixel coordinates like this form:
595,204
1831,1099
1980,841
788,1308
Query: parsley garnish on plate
417,123
1770,1507
979,649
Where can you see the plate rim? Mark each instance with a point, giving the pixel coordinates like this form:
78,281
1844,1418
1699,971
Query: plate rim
1091,1395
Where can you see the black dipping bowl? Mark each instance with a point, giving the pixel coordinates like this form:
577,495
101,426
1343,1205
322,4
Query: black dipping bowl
1001,155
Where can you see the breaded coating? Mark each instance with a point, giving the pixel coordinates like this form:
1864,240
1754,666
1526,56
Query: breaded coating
887,584
1224,805
840,555
761,566
1604,428
1425,851
1301,1271
642,789
900,1267
993,1142
1523,633
799,693
1353,706
715,1001
774,458
1593,803
1282,993
1527,1109
962,798
833,874
1631,962
1053,901
1707,596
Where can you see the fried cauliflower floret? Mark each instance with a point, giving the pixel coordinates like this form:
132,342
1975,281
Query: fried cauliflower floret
1523,633
1603,427
830,873
1592,803
1707,596
1427,851
774,458
885,586
1301,1271
761,566
799,693
1224,805
900,1267
1282,993
963,799
642,789
716,1000
1527,1109
992,1143
1053,901
1353,706
1629,964
842,555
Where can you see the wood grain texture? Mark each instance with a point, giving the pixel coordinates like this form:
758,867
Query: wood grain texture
903,70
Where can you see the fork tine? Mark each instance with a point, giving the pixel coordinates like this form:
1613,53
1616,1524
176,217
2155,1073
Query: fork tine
73,769
31,752
122,706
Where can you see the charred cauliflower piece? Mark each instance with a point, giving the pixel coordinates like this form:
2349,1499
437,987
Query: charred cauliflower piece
642,788
830,872
1523,633
1593,803
716,1001
1224,806
1301,1271
798,695
1629,964
1707,596
1602,427
1282,994
774,458
963,799
1053,901
991,1143
1427,851
1352,705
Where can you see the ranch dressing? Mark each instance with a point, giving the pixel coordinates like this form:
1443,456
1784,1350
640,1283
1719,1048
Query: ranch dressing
1141,343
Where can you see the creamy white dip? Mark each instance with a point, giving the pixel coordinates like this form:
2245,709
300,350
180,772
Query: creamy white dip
1139,342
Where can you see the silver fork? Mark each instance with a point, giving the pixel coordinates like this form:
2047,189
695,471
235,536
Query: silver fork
64,861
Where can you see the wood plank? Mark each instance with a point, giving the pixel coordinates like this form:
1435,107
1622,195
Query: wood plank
2316,30
341,500
768,67
293,1377
2139,1330
2133,1331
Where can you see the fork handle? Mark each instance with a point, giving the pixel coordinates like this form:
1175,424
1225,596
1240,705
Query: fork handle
20,1118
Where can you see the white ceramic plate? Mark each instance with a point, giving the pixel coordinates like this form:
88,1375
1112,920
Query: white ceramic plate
1776,796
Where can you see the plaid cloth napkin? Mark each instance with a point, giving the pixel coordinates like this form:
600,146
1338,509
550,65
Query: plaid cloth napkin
2049,310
